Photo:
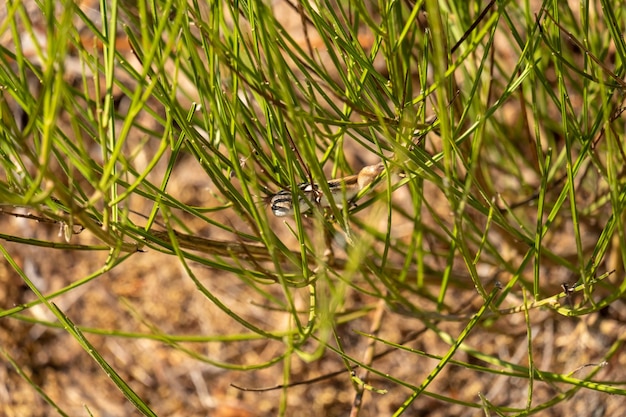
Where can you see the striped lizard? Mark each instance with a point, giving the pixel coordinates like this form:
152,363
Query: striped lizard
343,190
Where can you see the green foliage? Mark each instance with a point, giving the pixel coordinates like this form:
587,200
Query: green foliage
518,177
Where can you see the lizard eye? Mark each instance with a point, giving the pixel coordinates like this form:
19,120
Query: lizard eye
282,204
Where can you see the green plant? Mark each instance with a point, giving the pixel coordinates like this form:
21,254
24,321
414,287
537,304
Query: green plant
448,270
